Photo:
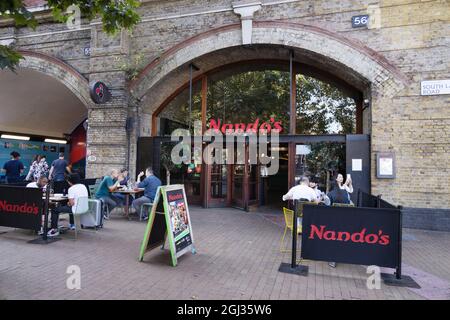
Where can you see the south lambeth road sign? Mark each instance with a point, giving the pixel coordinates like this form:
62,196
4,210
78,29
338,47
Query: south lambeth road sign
435,87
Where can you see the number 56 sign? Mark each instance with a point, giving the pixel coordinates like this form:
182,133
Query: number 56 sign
360,21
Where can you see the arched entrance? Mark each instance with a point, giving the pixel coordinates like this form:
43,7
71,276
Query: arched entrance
354,69
46,102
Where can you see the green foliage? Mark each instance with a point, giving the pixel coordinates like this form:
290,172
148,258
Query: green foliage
246,96
132,66
14,9
114,14
9,58
323,109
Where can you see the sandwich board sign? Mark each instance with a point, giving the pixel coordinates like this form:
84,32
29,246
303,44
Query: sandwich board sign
169,219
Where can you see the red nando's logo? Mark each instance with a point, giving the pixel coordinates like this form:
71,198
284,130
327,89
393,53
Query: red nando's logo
173,197
356,237
18,208
254,127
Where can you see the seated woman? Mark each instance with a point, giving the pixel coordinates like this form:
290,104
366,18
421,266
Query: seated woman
338,195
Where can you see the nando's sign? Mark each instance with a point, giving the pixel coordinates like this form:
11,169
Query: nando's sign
21,207
365,236
257,127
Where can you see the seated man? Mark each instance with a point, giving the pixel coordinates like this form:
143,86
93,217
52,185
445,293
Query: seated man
109,184
76,191
41,183
151,184
302,191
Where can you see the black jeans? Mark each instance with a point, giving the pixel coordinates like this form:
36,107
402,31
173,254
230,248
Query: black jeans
57,211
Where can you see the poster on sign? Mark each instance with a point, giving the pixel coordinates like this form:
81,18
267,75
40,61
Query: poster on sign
171,221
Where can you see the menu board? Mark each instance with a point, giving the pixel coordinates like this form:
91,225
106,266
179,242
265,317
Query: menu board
179,220
170,221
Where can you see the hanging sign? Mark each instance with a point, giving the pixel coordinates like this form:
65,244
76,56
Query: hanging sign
169,219
99,92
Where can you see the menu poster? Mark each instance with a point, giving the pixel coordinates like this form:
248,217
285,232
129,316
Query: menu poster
385,165
178,219
170,221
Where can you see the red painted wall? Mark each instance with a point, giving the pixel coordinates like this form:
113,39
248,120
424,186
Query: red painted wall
78,145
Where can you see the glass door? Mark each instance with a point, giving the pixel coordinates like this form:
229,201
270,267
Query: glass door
218,184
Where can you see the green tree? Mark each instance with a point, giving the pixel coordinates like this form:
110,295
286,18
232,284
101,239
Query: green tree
114,14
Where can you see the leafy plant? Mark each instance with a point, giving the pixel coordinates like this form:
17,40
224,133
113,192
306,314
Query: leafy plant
114,14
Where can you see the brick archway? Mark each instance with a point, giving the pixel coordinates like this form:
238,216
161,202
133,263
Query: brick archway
354,61
60,71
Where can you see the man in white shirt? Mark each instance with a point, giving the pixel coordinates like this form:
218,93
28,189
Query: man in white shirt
76,192
301,191
41,183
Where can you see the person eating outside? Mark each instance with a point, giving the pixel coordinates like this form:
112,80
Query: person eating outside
150,184
13,168
41,183
347,185
338,195
76,191
302,191
109,184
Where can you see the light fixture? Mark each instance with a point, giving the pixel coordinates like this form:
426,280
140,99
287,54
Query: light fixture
10,136
55,141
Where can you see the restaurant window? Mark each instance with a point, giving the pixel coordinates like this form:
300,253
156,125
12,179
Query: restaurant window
176,114
321,161
187,174
322,109
253,97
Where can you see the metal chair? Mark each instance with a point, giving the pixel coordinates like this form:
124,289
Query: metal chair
141,213
93,190
82,207
288,219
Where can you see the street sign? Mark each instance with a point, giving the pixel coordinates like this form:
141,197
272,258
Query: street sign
435,87
360,21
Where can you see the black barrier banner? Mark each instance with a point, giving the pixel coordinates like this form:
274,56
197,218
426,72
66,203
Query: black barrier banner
21,207
365,236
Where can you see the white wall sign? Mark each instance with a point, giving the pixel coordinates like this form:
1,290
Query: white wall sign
302,149
356,164
435,87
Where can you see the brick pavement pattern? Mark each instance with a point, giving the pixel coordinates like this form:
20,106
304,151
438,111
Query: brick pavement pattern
238,258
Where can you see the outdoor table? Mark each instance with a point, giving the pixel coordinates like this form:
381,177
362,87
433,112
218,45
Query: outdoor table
127,193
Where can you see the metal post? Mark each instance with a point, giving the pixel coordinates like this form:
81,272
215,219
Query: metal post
398,272
294,236
190,94
46,209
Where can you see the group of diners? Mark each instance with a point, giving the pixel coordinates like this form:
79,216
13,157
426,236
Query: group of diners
308,190
116,179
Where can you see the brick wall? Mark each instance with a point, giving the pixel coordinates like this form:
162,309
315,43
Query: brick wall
412,35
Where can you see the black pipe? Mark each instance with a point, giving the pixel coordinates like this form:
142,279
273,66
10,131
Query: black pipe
294,236
46,209
398,272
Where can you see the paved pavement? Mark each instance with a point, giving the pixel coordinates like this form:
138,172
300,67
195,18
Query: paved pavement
238,258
